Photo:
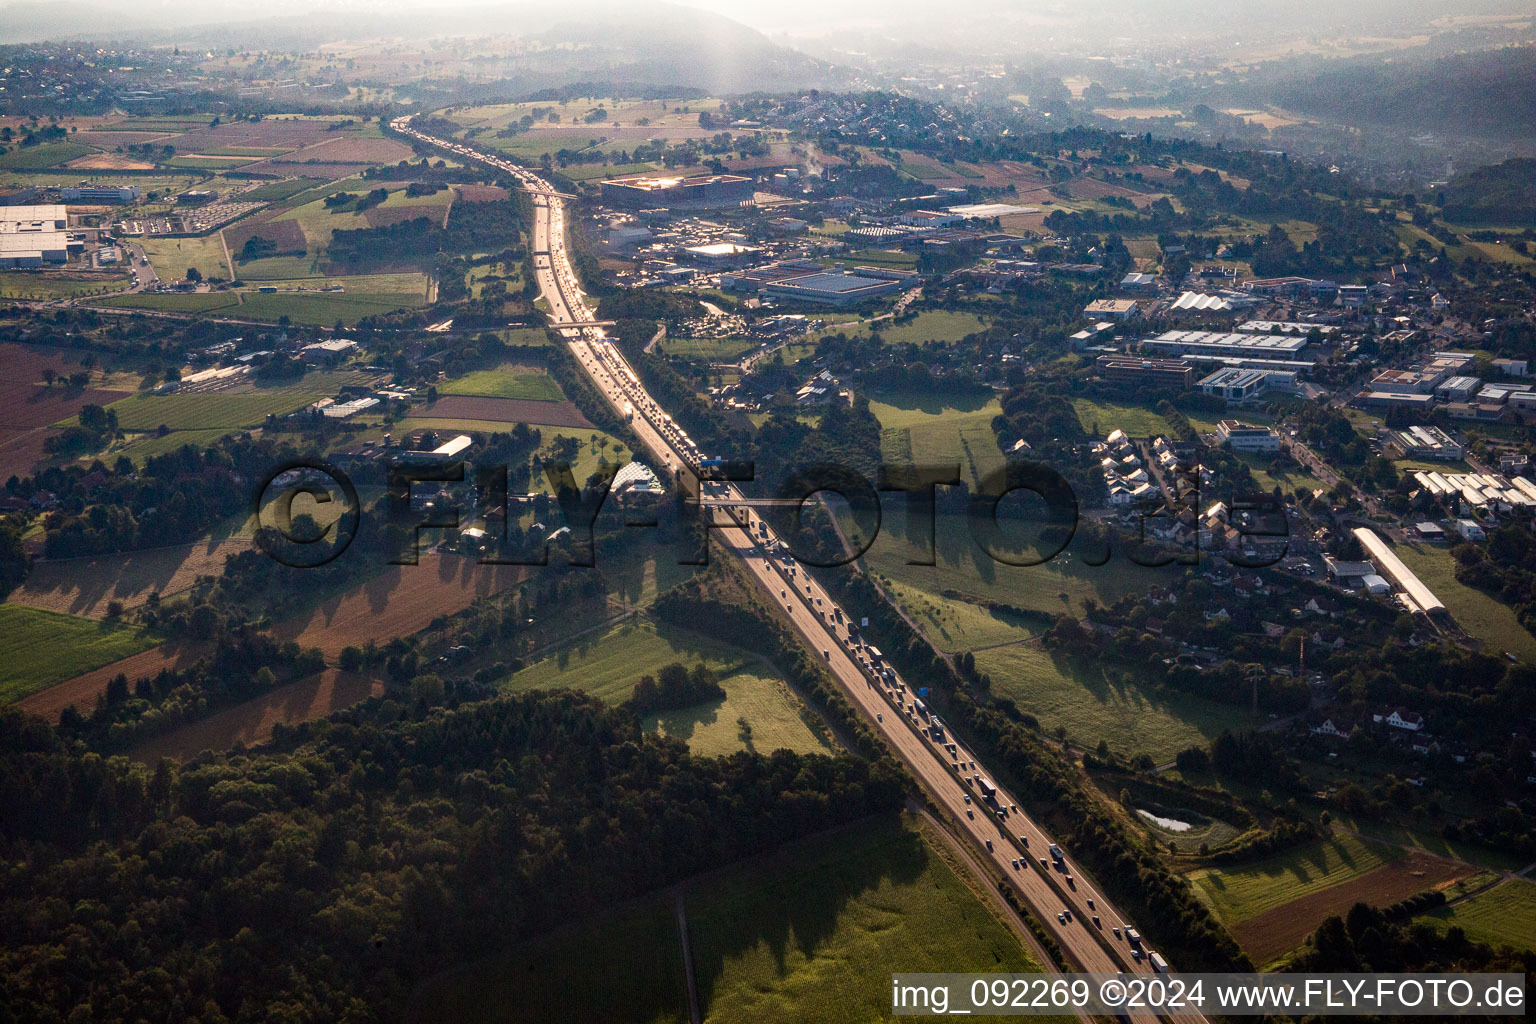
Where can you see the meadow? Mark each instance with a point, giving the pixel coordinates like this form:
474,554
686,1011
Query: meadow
1094,704
39,648
807,933
1238,893
1270,906
938,428
1502,916
811,933
172,256
608,663
190,302
1061,584
946,326
1485,617
219,410
325,308
510,380
636,951
24,285
1100,418
708,350
42,157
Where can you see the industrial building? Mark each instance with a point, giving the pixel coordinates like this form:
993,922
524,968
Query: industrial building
31,236
1244,437
831,288
1416,596
1426,443
1146,372
1214,343
705,192
100,193
1236,384
806,281
1457,389
1394,400
1111,309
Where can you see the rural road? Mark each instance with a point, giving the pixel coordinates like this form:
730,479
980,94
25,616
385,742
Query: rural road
1013,843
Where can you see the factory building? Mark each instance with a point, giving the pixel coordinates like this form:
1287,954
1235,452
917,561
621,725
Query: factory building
97,194
1244,437
1146,372
1426,443
712,191
32,236
1214,343
1236,384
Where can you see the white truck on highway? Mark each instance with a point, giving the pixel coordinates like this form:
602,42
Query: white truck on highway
1158,963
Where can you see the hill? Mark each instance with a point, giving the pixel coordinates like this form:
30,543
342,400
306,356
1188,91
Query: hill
1502,194
1489,94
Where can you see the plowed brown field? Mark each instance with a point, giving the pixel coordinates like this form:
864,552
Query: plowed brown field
251,723
1278,931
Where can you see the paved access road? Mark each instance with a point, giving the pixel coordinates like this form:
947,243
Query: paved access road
1014,843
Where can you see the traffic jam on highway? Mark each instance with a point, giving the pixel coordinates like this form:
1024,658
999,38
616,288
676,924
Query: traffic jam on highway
1080,904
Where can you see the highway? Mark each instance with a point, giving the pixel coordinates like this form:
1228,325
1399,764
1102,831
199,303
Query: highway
1016,847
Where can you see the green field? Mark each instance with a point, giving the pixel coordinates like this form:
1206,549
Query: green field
42,157
140,447
511,380
278,268
709,350
956,626
1092,704
324,309
937,428
812,934
808,933
929,325
1502,916
607,664
224,410
23,285
172,256
1485,617
1102,418
190,302
1238,893
276,190
1059,585
776,716
318,221
1287,482
39,649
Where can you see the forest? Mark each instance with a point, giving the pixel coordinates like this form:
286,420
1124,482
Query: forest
323,878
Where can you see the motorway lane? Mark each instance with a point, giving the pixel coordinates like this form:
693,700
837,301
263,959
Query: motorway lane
1045,888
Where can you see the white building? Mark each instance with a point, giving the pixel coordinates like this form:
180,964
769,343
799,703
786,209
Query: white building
1244,437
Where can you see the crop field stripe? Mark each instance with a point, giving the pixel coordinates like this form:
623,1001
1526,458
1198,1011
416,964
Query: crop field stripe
40,648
